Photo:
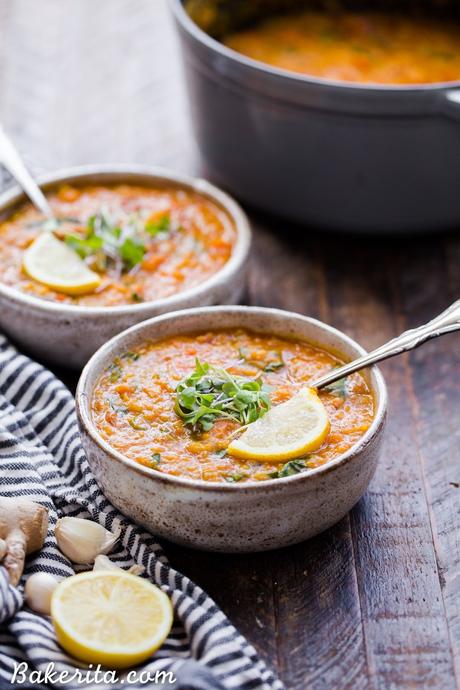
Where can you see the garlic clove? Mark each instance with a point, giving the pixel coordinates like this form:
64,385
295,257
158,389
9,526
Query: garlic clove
38,590
102,562
83,540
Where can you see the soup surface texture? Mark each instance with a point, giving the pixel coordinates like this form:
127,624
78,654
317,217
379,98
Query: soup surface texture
145,243
367,47
134,403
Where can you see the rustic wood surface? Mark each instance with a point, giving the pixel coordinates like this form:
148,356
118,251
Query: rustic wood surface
374,602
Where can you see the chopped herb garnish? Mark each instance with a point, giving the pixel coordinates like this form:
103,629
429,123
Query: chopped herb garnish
135,424
235,477
210,392
155,458
221,453
116,407
135,296
162,225
115,373
272,361
275,363
291,467
339,388
131,355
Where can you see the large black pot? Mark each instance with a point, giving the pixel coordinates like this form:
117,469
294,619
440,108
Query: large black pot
330,154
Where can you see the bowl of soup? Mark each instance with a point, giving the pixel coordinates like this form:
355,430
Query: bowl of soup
341,116
150,240
160,404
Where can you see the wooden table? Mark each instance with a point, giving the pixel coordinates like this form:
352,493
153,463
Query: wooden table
374,602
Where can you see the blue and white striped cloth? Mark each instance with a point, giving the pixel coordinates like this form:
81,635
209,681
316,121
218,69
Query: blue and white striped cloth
41,458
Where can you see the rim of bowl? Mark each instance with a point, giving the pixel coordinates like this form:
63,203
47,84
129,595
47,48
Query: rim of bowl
223,200
104,355
200,35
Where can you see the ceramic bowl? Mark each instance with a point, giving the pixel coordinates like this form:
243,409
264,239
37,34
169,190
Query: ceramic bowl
68,335
254,516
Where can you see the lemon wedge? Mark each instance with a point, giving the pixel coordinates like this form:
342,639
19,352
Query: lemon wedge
110,617
52,263
287,431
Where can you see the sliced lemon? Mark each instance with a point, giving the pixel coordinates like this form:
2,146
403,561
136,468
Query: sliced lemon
287,431
110,617
52,263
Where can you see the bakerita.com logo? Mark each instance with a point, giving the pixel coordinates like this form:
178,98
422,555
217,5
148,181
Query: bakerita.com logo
90,675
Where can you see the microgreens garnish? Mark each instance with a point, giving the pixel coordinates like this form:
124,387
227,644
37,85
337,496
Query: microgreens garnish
210,392
162,225
122,244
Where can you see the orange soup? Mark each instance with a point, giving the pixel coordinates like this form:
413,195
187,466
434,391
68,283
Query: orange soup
155,404
145,243
367,46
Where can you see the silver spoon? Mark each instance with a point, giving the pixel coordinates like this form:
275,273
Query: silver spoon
12,161
447,322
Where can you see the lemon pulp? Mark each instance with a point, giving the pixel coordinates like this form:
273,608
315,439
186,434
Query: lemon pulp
112,618
52,263
287,431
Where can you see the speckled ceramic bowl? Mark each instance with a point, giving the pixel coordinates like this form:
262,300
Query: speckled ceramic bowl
68,335
254,516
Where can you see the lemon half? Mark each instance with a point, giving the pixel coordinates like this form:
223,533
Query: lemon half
111,617
52,263
287,431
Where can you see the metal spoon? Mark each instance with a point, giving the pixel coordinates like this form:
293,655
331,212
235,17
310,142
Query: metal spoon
12,161
447,322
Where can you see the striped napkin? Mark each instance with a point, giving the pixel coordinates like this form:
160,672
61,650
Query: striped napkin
41,457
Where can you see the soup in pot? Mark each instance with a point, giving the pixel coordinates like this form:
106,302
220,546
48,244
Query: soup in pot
356,46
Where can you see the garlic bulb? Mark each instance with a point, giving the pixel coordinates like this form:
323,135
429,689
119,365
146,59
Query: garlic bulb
38,590
104,563
82,540
2,548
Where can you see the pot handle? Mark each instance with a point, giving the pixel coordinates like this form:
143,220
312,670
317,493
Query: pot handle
451,102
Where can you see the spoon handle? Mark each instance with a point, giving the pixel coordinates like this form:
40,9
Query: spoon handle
447,322
12,161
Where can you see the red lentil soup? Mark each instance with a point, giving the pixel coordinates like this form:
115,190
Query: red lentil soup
146,243
134,405
365,46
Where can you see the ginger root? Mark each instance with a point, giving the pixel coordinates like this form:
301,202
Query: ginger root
23,528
